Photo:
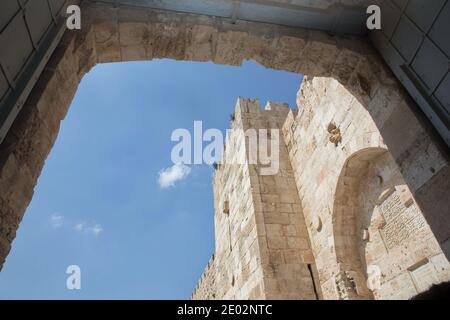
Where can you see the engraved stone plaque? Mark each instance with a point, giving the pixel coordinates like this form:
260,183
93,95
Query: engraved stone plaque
402,222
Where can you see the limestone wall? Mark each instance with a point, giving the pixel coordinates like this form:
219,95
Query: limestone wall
361,216
206,288
238,272
262,246
287,259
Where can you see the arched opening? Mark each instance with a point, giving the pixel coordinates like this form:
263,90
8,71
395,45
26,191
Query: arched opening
348,224
100,201
381,237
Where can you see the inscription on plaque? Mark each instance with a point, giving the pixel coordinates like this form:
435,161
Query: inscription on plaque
402,222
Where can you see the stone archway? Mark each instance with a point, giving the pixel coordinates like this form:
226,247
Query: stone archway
380,234
333,169
112,34
348,220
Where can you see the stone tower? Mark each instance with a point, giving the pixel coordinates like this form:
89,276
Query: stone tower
262,246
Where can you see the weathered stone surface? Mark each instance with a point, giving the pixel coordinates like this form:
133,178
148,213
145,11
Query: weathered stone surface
356,187
369,219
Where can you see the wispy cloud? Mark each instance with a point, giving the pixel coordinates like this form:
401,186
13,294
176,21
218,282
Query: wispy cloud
79,227
97,229
169,176
94,229
56,220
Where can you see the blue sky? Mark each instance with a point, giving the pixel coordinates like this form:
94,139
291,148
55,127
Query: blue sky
99,204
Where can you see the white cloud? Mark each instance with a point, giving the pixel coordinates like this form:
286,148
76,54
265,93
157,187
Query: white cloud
56,220
94,229
79,226
169,176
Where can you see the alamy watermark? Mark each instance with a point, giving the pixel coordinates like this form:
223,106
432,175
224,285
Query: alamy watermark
73,21
374,20
258,147
73,281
